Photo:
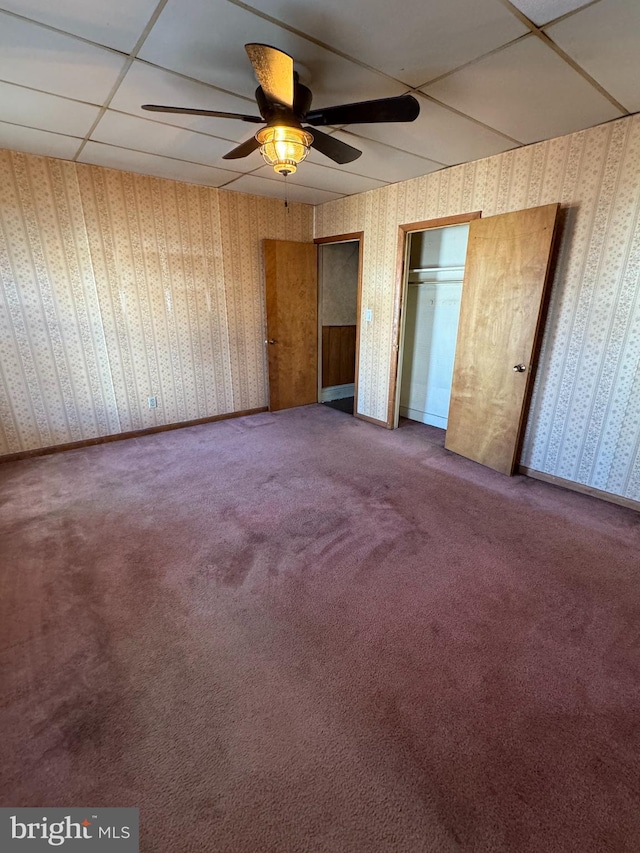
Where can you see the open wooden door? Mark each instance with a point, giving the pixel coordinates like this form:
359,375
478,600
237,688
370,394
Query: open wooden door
292,323
503,299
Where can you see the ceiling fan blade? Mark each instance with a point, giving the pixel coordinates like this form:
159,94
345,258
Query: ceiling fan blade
334,149
157,108
400,108
274,72
243,150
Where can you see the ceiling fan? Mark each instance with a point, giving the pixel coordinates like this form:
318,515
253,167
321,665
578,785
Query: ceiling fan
285,104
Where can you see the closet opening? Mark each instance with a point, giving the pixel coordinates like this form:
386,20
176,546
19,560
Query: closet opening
339,266
433,290
469,312
432,258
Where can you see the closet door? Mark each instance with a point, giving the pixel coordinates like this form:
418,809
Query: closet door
503,297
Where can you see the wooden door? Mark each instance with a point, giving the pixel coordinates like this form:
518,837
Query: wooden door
503,298
292,323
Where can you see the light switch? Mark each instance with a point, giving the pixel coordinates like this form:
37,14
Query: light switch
368,315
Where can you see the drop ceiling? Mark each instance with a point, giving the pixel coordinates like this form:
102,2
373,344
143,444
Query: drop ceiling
490,75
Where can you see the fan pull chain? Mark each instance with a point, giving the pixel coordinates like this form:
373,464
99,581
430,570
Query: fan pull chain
286,201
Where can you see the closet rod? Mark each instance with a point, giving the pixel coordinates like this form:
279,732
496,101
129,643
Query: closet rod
417,283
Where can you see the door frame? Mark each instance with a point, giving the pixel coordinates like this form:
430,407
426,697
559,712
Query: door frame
353,237
399,298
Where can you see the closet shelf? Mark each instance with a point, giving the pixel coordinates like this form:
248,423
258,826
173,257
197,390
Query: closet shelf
436,269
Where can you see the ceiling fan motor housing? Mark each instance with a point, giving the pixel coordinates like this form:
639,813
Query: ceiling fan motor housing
301,103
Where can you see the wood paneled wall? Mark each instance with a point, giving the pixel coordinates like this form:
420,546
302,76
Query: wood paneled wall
338,355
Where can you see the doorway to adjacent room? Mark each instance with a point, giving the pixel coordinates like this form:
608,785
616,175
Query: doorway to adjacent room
338,277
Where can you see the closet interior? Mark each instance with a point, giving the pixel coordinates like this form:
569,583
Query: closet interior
433,290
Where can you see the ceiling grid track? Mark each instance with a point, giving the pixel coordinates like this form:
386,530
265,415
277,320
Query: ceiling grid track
129,62
540,33
584,82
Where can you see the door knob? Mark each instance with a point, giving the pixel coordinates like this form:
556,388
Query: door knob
270,341
519,368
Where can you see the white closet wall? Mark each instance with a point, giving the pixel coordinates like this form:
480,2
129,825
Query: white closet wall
434,289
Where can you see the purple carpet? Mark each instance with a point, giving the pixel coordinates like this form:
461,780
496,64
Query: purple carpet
298,632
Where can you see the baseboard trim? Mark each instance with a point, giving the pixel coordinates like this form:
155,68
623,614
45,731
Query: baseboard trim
423,417
336,392
121,436
372,420
580,487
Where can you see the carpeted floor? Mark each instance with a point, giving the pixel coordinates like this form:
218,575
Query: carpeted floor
299,632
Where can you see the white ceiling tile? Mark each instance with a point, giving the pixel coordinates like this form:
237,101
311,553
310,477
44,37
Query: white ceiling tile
381,161
37,141
144,84
205,39
150,164
543,11
165,140
526,91
604,40
118,23
46,112
438,134
256,185
333,179
415,46
54,83
32,55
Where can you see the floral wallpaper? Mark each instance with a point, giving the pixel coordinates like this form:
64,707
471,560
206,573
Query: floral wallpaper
584,421
117,287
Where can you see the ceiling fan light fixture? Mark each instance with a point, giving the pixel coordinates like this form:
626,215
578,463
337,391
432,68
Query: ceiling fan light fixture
284,147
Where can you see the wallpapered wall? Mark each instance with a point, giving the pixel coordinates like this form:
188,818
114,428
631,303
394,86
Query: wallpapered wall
116,287
584,422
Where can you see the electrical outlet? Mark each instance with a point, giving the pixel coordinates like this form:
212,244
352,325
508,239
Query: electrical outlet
153,402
